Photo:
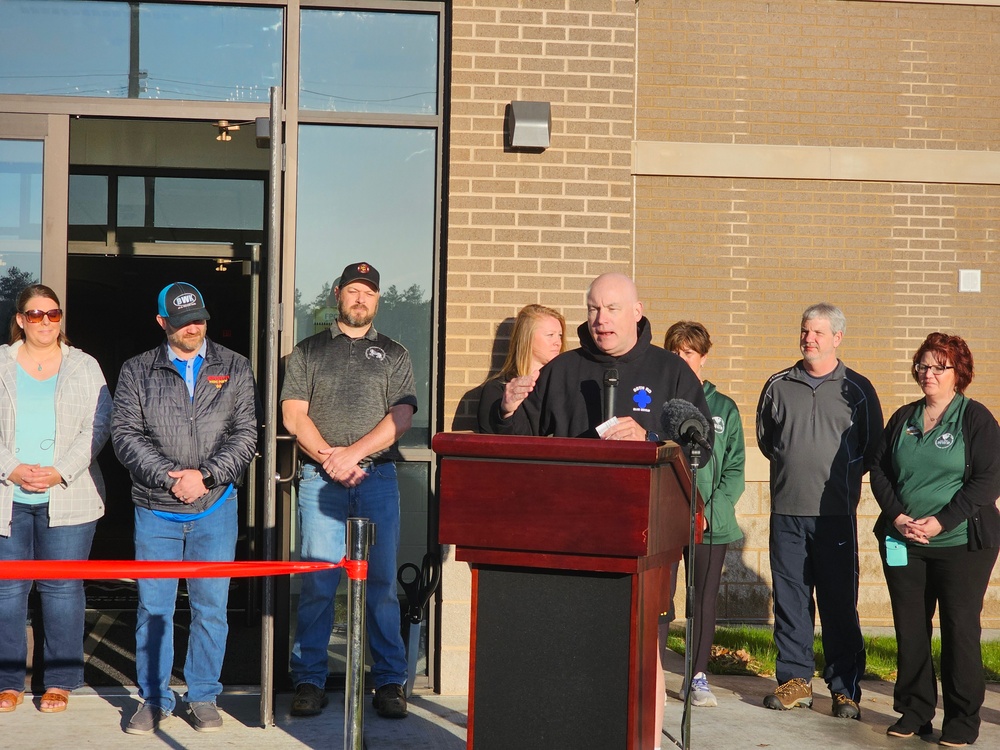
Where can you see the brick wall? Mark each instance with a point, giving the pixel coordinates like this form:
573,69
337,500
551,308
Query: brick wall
742,254
746,256
526,228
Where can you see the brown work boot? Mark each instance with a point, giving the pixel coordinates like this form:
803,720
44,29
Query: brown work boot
845,708
795,692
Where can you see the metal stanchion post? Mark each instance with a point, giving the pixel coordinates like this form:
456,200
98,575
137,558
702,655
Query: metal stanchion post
689,598
360,535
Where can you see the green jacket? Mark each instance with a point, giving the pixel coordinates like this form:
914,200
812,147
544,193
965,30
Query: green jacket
721,481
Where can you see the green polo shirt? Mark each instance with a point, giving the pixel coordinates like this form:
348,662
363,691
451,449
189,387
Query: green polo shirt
931,467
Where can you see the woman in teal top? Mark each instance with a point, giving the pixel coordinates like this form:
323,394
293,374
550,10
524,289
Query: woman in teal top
720,484
55,416
936,478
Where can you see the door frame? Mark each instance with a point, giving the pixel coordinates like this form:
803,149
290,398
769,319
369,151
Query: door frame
53,131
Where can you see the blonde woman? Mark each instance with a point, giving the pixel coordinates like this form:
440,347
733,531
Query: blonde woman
538,337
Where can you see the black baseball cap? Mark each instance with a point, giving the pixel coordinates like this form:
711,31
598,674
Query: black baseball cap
359,272
181,303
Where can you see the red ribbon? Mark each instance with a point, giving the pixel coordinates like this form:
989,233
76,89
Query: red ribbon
112,569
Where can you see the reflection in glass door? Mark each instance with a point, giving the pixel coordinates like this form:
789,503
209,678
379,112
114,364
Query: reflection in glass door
20,220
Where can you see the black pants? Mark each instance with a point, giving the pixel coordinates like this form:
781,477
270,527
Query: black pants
708,561
817,554
955,580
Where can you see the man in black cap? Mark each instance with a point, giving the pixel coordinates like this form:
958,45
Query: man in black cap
185,426
348,397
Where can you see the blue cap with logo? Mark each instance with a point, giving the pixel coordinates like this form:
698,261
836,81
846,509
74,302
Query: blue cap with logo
181,303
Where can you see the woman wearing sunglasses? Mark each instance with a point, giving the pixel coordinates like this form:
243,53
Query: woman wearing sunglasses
936,478
55,416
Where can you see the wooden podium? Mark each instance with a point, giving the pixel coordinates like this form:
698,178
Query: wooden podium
570,542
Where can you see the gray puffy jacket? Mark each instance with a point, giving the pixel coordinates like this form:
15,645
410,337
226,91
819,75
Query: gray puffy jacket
156,427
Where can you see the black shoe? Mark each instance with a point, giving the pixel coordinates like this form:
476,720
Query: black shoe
390,701
900,729
309,700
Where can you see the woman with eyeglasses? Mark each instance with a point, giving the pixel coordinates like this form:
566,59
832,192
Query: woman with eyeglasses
55,416
936,479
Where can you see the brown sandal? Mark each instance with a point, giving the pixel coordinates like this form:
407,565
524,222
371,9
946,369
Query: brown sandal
15,698
51,696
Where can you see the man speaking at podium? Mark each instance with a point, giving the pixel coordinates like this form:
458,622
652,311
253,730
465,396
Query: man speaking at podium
569,397
613,387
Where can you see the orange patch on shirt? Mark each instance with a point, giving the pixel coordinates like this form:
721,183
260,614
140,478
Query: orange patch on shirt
218,380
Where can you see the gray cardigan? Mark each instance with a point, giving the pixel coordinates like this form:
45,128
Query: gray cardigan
83,422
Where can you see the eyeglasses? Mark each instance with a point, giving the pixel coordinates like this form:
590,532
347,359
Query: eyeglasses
35,316
936,369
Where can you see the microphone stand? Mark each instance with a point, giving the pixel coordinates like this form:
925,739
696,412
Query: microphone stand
689,598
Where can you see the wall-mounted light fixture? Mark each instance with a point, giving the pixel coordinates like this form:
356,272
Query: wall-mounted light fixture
262,127
527,126
226,127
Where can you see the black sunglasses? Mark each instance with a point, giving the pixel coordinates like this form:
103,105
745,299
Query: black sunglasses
35,316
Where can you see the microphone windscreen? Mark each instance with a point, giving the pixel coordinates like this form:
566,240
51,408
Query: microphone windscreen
676,412
610,376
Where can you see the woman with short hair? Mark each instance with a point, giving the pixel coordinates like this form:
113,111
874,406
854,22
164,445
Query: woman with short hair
936,479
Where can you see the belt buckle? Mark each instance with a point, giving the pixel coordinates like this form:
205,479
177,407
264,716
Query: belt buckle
365,463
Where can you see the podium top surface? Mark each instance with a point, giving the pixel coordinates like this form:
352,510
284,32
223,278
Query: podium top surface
572,450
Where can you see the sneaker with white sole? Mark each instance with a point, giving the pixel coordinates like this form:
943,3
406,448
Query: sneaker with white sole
701,693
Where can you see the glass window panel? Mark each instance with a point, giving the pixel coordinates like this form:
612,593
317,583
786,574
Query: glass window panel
193,52
88,200
20,219
354,61
132,201
208,203
191,203
369,194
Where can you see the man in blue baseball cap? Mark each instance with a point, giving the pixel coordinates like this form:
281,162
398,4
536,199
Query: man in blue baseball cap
185,427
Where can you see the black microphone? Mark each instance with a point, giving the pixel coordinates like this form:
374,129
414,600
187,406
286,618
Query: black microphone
684,423
610,384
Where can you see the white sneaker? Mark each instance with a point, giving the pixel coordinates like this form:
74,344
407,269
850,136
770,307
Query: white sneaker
701,693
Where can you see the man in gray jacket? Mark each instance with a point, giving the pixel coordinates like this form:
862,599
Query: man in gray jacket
185,426
819,424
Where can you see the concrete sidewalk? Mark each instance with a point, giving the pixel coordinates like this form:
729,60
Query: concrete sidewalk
95,720
741,721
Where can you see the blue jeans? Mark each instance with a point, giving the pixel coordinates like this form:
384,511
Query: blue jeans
63,602
210,538
324,507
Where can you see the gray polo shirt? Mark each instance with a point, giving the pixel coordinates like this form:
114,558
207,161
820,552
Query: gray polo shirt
350,384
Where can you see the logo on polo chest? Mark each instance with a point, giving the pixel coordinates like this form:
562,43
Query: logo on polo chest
945,440
375,352
218,380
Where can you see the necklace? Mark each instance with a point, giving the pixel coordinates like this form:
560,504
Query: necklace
46,360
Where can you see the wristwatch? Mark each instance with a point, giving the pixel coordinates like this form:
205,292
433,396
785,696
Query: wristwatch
207,479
